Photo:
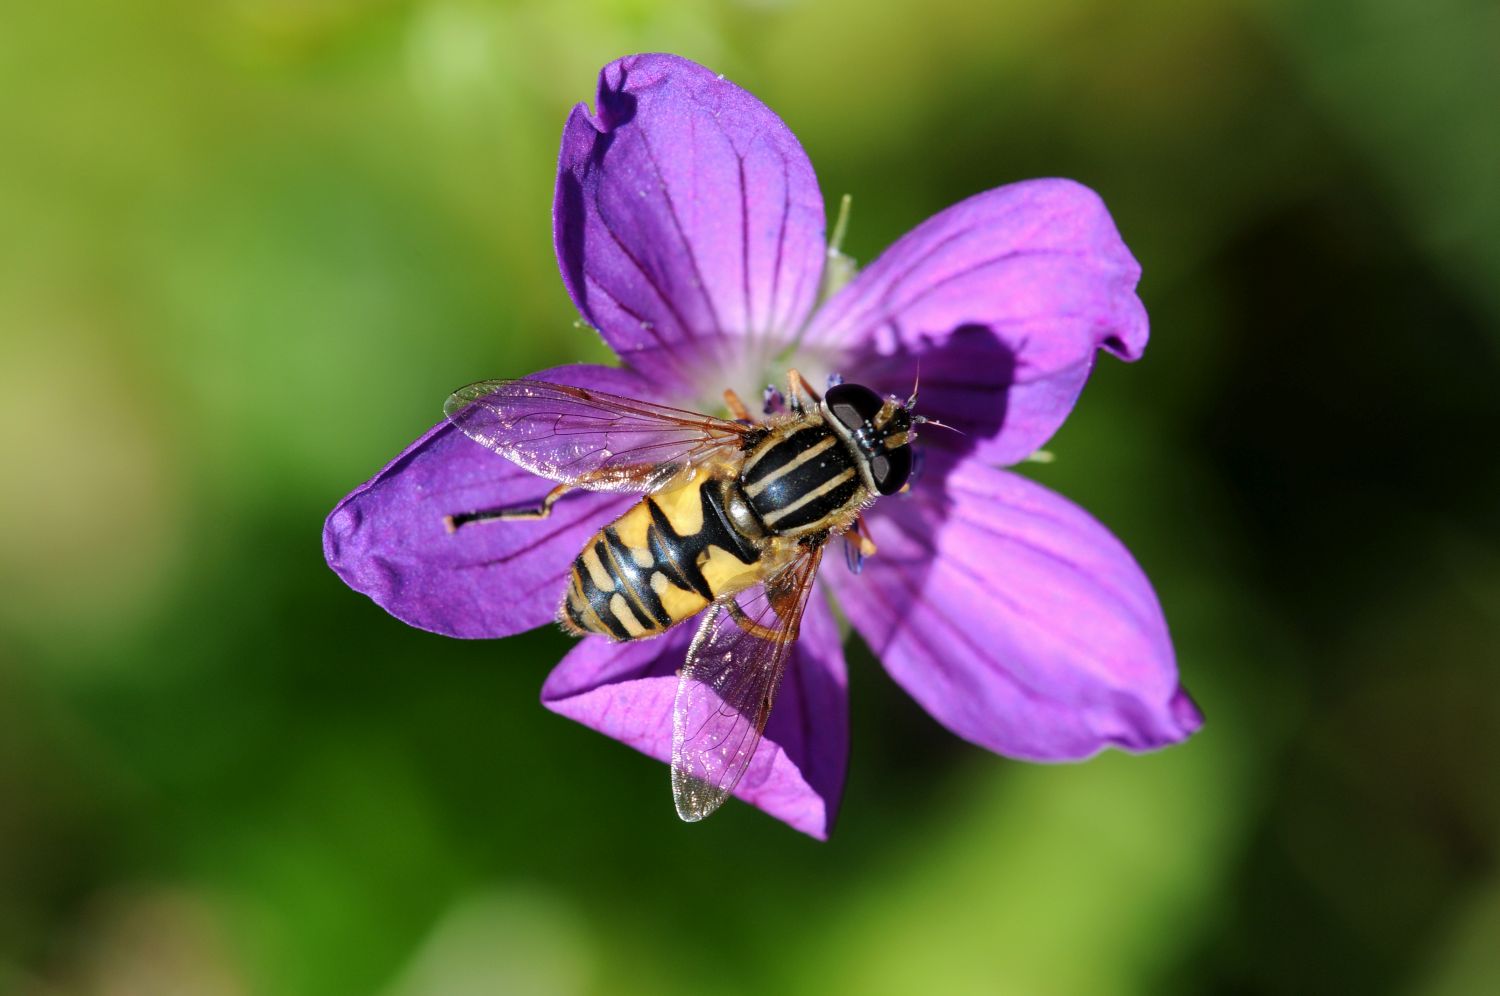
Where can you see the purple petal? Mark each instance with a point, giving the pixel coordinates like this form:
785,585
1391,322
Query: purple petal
1016,619
1001,302
387,539
626,691
688,221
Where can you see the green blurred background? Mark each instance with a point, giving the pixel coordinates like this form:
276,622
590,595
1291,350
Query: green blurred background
247,248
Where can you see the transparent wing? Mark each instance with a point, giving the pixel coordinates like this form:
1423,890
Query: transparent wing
729,682
587,438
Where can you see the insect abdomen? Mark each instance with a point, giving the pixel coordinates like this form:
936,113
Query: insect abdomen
661,562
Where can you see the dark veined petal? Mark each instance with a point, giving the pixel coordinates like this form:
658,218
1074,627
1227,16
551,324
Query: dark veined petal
1016,619
1001,301
626,691
688,222
388,539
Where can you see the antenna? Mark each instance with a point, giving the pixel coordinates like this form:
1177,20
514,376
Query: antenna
924,420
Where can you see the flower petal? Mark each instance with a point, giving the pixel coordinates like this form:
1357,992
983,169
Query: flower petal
626,691
1016,619
387,538
1000,301
688,222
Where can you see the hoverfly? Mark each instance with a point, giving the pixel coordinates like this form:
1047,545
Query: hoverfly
735,519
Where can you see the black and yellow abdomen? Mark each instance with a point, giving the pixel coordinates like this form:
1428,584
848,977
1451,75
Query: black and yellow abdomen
664,561
715,531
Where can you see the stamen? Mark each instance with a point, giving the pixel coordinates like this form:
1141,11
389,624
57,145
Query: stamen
838,269
835,379
772,403
841,225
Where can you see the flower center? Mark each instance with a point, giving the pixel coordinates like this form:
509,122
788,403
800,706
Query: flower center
756,370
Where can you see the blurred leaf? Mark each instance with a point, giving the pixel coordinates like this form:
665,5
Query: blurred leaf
1415,85
1467,961
520,942
1084,879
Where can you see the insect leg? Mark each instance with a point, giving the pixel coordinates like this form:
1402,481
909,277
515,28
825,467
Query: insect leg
749,625
539,511
797,389
858,545
737,407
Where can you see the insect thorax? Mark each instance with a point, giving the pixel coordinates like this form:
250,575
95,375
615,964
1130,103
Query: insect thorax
801,479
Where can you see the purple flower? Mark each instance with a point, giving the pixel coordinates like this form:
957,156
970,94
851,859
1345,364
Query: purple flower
689,229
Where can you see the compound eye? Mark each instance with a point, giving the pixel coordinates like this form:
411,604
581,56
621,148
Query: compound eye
852,404
891,469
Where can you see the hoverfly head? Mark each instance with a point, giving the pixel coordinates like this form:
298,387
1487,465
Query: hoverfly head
880,430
